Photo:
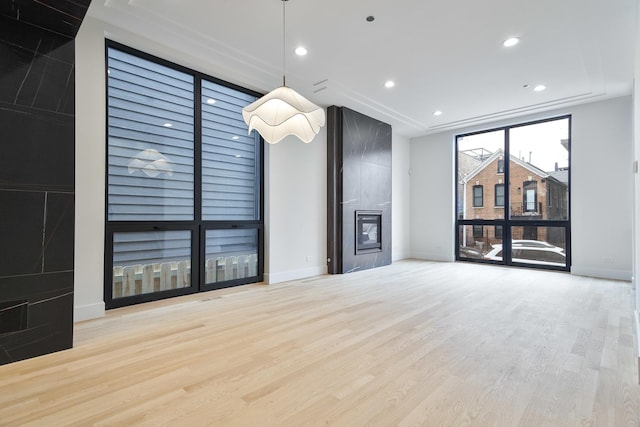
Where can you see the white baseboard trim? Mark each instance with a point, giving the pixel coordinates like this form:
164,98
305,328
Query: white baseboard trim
432,256
602,273
87,312
286,276
399,257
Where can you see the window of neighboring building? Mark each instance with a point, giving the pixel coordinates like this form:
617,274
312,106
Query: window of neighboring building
478,231
497,232
499,199
500,165
478,197
184,181
530,196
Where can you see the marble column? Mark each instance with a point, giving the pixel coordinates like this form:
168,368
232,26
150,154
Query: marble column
37,144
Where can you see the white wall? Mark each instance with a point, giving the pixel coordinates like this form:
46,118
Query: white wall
295,181
400,197
90,172
432,207
601,189
296,209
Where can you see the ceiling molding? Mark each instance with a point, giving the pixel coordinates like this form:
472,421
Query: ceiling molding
521,111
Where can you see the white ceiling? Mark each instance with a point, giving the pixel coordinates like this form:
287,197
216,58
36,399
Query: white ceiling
443,54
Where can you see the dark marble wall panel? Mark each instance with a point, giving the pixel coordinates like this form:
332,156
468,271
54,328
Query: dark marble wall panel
21,227
57,16
37,156
13,316
38,73
59,233
49,318
37,150
362,181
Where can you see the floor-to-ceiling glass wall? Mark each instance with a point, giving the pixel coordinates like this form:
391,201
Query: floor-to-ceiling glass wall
184,182
512,195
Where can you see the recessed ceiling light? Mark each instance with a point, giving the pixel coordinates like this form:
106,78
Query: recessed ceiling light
510,42
389,84
167,125
539,88
235,137
301,51
211,101
437,113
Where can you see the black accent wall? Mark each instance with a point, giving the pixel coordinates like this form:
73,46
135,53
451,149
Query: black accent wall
37,179
358,178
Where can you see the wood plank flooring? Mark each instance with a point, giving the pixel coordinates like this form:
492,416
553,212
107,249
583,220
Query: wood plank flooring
413,344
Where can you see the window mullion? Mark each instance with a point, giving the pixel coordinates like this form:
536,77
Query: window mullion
197,148
506,230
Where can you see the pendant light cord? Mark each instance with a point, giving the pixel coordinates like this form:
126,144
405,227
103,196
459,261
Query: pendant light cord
284,30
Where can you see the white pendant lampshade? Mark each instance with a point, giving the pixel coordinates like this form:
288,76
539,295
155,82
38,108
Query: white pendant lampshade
284,112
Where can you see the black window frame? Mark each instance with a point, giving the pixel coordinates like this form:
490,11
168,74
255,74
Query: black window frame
508,223
197,227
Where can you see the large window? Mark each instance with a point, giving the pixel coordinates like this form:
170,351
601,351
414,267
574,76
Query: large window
184,182
528,168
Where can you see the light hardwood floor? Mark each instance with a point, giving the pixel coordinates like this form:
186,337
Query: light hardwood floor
413,344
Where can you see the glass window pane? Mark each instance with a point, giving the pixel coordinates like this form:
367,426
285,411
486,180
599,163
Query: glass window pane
231,254
480,170
499,193
150,140
539,171
230,157
539,245
150,261
480,242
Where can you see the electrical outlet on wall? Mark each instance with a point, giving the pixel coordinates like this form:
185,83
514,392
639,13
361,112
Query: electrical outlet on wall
308,258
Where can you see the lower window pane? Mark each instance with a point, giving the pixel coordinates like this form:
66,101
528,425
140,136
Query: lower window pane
539,245
481,242
231,254
150,261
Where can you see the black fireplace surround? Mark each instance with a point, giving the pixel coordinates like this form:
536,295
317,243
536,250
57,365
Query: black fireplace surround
358,191
37,178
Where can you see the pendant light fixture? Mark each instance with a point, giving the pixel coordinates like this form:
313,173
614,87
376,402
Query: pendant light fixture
283,111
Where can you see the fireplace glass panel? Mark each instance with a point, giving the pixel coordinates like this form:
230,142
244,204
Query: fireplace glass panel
368,231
